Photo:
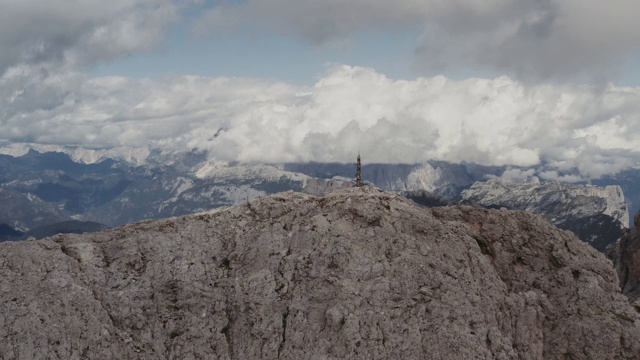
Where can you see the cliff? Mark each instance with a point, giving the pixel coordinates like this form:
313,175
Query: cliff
625,255
596,214
356,274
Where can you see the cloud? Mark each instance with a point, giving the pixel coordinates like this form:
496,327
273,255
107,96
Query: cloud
499,121
568,129
518,176
536,39
531,40
315,21
553,175
79,33
47,44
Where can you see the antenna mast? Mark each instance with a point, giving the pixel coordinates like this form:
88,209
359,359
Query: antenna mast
358,173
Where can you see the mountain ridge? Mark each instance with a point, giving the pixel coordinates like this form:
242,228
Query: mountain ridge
357,273
115,192
596,214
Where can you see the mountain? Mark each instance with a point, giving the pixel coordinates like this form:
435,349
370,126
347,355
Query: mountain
23,211
439,177
625,255
54,178
356,274
129,155
65,227
596,214
115,192
86,185
629,181
161,192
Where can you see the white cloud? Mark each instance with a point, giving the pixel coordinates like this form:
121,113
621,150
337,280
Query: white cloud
526,39
518,176
490,121
45,98
553,175
46,44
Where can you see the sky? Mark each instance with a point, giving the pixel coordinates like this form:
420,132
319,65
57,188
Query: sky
496,82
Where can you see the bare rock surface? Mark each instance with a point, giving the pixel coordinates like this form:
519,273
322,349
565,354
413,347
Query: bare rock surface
625,255
320,187
356,274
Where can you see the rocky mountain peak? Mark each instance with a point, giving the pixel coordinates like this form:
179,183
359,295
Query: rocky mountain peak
355,274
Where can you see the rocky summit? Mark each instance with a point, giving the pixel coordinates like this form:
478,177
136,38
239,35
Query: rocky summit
356,274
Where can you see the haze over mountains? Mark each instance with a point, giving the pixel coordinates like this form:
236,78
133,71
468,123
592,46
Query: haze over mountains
118,186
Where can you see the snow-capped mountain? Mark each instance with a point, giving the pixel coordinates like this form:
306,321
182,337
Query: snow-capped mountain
131,155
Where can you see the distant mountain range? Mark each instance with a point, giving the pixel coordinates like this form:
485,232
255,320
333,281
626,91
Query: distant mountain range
116,187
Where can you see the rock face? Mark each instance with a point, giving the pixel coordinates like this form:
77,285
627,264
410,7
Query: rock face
595,214
625,255
427,198
320,187
357,274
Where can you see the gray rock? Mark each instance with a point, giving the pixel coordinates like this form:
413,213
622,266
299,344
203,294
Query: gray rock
625,255
596,214
319,187
357,274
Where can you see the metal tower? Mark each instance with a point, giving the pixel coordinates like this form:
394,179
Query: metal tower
358,173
